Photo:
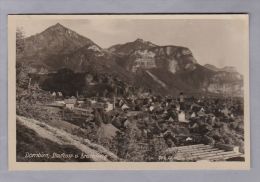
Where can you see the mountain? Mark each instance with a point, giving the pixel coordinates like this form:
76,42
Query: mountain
44,49
230,69
173,69
166,69
144,54
58,47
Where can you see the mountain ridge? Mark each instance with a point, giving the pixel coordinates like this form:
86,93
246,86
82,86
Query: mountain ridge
59,47
225,68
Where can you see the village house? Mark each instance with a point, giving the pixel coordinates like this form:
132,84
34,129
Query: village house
70,103
109,106
82,111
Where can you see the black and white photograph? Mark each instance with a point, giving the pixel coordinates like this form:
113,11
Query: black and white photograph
155,91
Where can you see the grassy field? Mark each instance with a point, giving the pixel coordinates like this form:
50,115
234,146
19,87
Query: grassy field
29,141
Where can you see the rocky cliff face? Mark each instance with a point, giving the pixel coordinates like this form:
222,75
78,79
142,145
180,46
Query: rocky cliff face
146,55
229,83
177,69
129,47
175,58
226,80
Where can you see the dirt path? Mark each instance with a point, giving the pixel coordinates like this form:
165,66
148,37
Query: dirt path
61,137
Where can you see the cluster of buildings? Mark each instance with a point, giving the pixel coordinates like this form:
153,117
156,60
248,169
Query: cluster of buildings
177,120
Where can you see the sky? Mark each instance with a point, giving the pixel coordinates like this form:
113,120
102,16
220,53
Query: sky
220,42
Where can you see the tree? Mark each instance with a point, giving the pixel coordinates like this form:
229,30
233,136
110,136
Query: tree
22,77
65,81
19,40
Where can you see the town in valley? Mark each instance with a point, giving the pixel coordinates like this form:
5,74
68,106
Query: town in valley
131,102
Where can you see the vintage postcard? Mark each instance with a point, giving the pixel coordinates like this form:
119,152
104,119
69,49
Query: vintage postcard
128,92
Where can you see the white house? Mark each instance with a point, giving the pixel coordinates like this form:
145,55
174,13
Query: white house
109,107
181,117
70,103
